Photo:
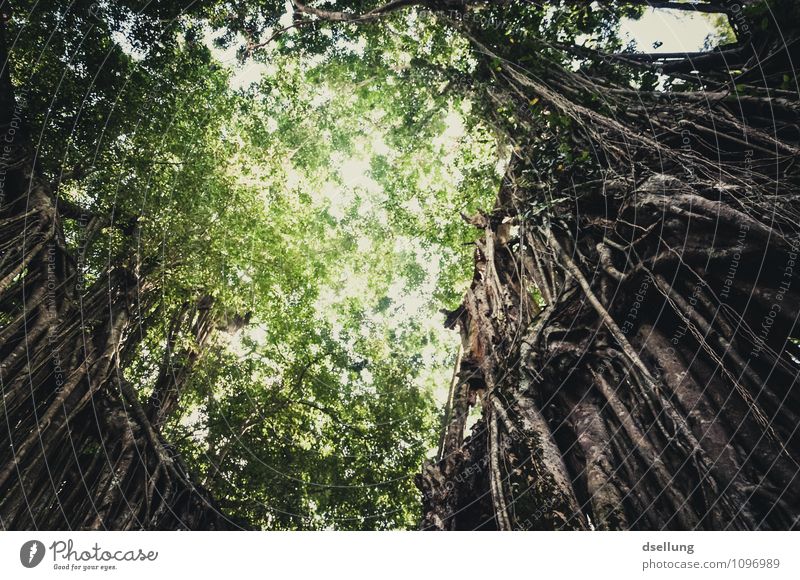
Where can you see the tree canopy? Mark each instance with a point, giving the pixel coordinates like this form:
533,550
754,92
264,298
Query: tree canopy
290,200
294,239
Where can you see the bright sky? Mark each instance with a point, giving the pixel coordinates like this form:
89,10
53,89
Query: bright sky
244,74
678,30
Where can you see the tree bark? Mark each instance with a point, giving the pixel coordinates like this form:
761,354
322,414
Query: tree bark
657,389
78,450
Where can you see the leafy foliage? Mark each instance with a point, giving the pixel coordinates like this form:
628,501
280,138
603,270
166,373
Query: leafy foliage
316,204
312,207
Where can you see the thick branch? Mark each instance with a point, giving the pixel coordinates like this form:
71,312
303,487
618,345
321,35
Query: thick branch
338,16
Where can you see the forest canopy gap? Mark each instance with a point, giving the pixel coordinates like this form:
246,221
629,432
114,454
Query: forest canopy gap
358,265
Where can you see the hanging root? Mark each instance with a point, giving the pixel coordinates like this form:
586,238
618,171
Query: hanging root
656,389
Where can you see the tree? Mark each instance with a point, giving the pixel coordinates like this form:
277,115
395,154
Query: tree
656,387
630,371
205,285
79,450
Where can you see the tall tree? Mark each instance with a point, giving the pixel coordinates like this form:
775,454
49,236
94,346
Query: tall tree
204,225
632,368
657,386
79,450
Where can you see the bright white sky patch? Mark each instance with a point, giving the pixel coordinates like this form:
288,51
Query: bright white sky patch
678,30
288,17
337,199
454,131
121,38
355,173
243,74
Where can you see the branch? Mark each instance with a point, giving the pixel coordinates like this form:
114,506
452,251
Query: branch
254,46
330,413
71,210
709,8
337,16
496,478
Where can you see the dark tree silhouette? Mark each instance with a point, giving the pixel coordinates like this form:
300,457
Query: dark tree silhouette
657,386
79,450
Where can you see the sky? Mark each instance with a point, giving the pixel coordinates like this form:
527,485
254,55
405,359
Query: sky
677,30
351,185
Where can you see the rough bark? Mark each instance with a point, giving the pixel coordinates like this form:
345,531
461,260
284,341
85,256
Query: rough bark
78,450
657,388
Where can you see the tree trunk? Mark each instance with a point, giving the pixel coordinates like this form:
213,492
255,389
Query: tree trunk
78,450
657,389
